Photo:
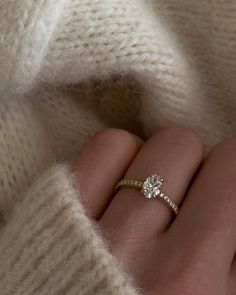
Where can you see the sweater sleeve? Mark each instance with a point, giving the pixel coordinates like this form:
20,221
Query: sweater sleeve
50,247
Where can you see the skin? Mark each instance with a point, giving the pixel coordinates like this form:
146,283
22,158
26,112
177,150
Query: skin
192,253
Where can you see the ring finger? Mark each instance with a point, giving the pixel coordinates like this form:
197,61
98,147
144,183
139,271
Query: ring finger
175,154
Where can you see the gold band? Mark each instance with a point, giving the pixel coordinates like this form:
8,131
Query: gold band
151,188
129,183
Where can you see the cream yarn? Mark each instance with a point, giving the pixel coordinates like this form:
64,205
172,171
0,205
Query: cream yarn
71,68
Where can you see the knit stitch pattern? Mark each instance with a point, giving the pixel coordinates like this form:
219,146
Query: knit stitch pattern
50,247
69,68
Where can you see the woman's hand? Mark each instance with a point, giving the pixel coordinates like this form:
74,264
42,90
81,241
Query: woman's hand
192,253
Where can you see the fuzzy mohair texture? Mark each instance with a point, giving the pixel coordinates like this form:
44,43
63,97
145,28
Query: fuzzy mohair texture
70,68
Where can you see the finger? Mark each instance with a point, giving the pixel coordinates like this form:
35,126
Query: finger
231,287
175,154
101,164
205,228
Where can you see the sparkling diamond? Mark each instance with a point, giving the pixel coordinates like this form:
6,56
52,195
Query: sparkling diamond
152,186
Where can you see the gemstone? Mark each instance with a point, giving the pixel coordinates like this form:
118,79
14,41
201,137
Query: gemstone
151,187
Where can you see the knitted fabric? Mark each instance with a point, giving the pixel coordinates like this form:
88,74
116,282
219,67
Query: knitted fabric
50,247
69,68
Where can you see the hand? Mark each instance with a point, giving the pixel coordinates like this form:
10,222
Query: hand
192,253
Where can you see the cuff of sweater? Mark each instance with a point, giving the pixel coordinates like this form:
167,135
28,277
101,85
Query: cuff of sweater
51,247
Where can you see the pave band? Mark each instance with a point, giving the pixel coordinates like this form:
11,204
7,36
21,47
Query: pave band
151,188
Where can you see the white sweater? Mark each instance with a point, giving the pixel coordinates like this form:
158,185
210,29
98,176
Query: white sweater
69,68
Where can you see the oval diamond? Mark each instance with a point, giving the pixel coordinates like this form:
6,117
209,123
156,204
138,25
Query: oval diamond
152,186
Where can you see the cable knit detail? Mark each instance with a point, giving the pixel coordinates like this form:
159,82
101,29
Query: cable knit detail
50,247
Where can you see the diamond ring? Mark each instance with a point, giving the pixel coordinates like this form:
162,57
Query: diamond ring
151,188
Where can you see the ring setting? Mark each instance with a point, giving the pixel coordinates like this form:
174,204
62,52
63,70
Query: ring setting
151,188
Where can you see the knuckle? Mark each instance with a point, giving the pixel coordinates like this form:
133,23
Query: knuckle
113,137
114,133
226,146
183,137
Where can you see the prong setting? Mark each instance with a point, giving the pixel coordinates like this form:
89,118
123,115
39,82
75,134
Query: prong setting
151,187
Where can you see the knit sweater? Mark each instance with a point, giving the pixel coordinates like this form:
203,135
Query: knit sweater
69,68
